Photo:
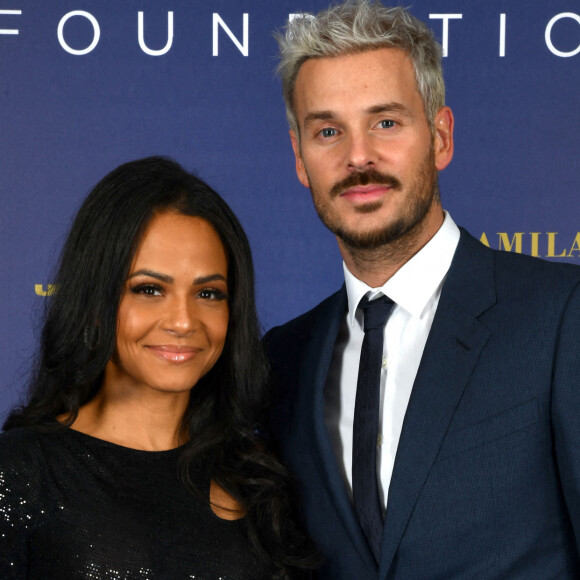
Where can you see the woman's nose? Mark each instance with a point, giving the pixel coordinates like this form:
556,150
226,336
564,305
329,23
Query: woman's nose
181,316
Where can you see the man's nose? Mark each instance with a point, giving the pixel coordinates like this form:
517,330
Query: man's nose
361,153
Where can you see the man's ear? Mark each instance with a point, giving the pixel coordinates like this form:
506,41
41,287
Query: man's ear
443,128
300,169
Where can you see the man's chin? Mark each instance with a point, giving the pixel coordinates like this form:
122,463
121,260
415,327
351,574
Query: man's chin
375,238
367,240
367,208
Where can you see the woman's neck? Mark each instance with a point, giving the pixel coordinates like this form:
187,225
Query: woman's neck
149,421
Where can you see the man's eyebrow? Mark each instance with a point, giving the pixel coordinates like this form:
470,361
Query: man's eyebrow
389,108
318,116
374,110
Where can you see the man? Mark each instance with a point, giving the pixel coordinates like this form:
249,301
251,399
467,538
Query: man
473,466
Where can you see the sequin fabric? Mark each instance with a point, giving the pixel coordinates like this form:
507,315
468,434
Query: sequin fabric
76,507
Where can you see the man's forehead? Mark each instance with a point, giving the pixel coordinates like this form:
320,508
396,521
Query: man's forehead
323,81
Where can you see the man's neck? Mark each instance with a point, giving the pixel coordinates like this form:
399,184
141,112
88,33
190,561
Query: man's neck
377,265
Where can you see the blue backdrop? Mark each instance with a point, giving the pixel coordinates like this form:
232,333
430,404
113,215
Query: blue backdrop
89,84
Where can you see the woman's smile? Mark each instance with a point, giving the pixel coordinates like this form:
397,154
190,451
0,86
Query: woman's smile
174,353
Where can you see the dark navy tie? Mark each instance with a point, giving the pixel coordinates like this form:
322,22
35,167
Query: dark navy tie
365,489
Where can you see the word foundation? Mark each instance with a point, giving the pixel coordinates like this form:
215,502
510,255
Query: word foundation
447,20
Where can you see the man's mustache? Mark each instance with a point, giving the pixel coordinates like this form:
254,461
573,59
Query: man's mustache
364,178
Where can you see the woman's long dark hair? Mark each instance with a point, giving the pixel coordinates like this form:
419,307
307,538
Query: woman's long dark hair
228,406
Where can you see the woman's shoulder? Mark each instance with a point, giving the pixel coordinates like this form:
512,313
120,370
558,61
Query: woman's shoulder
20,451
23,452
18,440
22,471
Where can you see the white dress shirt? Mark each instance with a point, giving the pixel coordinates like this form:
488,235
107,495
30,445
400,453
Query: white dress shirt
415,288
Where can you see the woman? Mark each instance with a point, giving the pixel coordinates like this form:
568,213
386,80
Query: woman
138,453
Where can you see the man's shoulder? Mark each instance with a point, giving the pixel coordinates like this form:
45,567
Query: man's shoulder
538,265
543,273
303,324
512,266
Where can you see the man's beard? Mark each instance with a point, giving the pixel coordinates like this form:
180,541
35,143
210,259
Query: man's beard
423,192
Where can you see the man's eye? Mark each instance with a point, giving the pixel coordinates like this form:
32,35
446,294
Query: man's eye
328,132
386,124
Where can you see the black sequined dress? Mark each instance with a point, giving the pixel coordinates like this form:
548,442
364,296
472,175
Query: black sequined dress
76,507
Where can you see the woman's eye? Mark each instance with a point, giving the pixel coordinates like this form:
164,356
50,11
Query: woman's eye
147,290
212,294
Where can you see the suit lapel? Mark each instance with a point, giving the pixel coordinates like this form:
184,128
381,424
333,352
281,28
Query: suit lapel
452,350
319,351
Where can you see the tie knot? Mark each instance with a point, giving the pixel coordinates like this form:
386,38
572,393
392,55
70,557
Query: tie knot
376,311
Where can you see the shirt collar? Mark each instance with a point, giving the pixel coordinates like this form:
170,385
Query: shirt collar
417,281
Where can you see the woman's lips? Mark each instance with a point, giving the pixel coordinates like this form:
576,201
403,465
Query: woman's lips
174,353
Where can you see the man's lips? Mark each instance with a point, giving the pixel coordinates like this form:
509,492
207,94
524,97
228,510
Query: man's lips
366,193
173,352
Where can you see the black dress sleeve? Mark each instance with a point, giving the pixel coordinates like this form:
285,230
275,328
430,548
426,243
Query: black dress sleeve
20,498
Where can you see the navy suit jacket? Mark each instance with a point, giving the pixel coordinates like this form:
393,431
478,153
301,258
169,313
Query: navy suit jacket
486,481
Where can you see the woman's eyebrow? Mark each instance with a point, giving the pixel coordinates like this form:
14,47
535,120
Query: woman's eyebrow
152,274
210,278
